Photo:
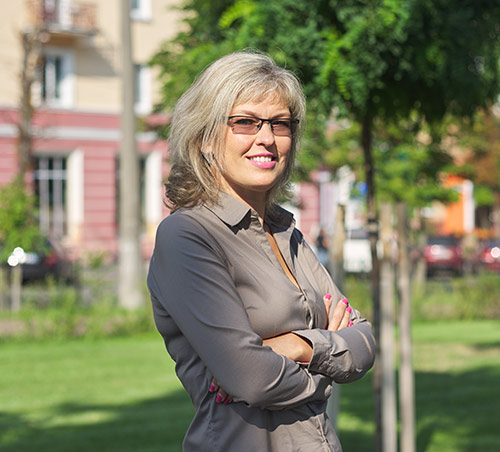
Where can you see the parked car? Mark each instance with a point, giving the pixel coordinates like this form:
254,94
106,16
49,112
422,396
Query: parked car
50,259
490,255
357,253
443,254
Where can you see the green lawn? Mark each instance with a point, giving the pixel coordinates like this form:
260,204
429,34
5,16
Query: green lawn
457,378
121,394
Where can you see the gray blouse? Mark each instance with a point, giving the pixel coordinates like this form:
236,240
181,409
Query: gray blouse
218,290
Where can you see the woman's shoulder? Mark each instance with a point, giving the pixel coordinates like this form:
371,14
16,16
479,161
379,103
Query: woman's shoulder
184,219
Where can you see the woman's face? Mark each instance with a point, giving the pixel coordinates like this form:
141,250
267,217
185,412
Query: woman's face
253,163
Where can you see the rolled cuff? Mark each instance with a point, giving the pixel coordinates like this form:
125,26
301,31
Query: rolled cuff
344,355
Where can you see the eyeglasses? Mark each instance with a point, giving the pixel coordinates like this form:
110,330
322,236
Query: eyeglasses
250,125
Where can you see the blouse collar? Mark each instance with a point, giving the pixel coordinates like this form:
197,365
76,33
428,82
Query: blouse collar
232,211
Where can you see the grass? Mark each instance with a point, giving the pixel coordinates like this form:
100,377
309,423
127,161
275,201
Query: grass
121,394
115,394
442,298
457,370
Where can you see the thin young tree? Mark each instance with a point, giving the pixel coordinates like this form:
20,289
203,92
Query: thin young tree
131,272
364,60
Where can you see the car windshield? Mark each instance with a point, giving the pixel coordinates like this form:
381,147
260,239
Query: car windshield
443,240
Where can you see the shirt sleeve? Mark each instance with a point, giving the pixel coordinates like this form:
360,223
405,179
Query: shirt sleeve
189,276
345,355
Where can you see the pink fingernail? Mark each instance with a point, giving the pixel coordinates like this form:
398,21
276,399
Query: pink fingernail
218,399
349,309
350,323
345,300
328,296
212,388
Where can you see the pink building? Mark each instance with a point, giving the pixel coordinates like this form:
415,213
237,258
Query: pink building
76,126
76,96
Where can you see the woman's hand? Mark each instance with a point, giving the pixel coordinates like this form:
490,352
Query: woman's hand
341,315
299,349
295,347
222,396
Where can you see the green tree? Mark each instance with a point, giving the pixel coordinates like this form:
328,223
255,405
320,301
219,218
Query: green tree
18,228
373,60
18,221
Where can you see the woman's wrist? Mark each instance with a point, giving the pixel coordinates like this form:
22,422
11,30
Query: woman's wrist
292,346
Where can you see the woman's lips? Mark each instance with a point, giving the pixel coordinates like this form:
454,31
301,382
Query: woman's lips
263,161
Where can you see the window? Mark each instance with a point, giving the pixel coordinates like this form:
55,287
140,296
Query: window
142,89
57,12
56,82
50,188
140,9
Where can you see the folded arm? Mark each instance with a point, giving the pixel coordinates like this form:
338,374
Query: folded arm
344,350
190,279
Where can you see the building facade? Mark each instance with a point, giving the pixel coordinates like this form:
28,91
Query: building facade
76,99
75,128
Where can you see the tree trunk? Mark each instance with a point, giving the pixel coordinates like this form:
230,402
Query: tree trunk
387,341
16,280
496,217
337,248
406,383
3,289
372,227
131,276
31,43
420,268
337,272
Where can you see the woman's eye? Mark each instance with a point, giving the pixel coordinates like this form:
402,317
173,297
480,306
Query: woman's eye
245,122
281,123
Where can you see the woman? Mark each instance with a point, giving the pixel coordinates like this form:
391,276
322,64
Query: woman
239,297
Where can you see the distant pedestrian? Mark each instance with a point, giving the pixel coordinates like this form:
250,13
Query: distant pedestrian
256,326
322,248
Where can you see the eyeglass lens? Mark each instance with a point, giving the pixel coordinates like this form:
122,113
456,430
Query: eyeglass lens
247,125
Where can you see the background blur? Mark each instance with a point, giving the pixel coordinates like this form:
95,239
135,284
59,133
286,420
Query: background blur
402,142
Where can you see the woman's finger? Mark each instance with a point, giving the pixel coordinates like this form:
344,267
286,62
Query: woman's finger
222,396
338,315
327,300
346,319
214,386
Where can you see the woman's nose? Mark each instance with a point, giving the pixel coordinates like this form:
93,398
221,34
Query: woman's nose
265,135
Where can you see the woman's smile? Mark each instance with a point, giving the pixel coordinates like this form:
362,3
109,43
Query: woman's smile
265,161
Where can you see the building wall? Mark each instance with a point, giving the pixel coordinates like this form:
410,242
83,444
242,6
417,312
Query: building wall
12,22
97,56
86,131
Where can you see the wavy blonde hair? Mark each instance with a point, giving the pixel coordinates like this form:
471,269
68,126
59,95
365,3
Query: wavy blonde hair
198,123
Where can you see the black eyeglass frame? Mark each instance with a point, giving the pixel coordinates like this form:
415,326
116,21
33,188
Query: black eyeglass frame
293,123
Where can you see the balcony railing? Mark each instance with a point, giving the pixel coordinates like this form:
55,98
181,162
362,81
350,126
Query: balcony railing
63,17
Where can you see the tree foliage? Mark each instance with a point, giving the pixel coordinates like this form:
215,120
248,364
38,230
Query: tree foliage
18,222
367,57
402,62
